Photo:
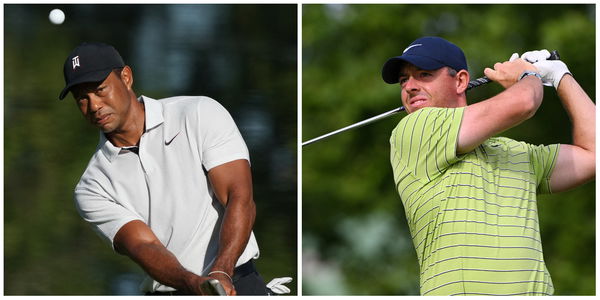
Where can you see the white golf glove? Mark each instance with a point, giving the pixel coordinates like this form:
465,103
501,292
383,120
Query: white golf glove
552,71
277,285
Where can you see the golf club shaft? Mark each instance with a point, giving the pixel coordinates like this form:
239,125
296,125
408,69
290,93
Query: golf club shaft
473,83
355,125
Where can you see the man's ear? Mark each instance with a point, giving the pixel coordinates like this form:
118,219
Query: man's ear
127,77
462,81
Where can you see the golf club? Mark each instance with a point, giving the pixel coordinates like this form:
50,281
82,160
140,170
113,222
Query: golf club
472,84
213,287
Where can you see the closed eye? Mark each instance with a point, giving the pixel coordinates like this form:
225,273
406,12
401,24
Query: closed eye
402,80
101,90
425,74
80,98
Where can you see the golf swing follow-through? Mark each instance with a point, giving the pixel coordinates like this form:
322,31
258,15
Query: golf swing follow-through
470,197
472,84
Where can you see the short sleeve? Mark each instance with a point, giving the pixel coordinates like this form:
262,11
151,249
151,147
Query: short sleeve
221,141
543,159
105,216
424,142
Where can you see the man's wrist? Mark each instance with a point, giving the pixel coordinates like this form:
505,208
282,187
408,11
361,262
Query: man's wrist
557,82
223,273
225,263
530,73
191,283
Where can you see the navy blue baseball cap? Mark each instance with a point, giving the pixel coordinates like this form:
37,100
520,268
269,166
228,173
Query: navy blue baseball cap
89,62
427,53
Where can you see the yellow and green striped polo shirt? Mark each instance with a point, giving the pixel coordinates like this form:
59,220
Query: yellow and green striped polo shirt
473,218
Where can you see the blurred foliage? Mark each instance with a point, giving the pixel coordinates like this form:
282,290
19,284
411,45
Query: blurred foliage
355,236
244,56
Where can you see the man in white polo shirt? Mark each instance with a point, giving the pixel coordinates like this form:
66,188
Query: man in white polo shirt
169,184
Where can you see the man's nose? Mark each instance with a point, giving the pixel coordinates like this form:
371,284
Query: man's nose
411,84
95,102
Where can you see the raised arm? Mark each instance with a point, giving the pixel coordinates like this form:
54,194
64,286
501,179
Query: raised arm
576,163
232,184
136,240
514,105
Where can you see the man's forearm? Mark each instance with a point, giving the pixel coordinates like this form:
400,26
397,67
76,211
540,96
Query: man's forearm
581,111
235,232
163,266
503,111
137,241
232,184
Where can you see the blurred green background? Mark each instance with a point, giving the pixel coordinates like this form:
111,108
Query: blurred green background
244,56
355,237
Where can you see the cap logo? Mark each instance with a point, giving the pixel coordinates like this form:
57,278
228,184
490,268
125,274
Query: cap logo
75,61
411,46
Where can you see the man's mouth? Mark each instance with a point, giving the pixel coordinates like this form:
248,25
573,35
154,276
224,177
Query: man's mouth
101,120
417,101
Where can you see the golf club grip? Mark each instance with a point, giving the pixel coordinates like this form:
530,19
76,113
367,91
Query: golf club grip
212,287
483,80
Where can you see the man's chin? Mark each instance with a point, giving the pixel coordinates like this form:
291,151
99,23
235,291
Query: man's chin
106,129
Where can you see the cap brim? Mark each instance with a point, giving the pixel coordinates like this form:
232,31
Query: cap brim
95,76
391,69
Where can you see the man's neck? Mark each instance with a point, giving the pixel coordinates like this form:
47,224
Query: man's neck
133,128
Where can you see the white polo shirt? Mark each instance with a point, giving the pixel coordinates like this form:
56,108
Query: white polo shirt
165,185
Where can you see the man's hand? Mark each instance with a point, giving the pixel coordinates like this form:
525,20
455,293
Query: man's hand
508,72
552,71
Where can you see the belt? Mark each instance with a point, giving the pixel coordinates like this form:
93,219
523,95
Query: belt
239,272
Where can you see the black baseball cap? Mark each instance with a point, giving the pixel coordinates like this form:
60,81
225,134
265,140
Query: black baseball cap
427,53
89,62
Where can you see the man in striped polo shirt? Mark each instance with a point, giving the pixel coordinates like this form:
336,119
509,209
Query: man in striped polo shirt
470,198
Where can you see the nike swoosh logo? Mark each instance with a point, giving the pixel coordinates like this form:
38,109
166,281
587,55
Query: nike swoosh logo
167,143
411,46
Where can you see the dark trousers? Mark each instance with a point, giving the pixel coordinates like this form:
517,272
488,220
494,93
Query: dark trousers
246,281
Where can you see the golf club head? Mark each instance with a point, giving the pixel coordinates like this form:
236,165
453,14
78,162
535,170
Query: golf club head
212,287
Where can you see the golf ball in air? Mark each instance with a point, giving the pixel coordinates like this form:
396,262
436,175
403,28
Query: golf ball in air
57,16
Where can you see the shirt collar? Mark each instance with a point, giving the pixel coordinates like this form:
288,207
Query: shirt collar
153,112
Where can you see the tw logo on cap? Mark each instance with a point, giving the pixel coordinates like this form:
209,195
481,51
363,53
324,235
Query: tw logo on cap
75,61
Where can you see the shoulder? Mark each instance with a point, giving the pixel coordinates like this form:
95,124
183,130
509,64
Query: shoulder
96,174
432,113
99,168
189,102
430,118
191,106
